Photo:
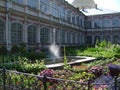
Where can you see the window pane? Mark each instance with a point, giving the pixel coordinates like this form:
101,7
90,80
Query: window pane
32,3
44,33
97,24
106,23
62,14
115,22
16,33
55,10
88,24
19,1
32,34
73,19
2,31
68,16
45,6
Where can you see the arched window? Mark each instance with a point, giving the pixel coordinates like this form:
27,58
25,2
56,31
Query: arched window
32,33
16,33
106,38
44,33
2,31
89,40
88,24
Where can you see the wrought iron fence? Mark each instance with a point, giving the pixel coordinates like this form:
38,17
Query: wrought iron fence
1,79
13,80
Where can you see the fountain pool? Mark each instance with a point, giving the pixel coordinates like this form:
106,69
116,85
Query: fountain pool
71,60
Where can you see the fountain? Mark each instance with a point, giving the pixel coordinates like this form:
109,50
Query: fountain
54,49
55,60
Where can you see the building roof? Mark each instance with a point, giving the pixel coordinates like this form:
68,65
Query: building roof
97,11
83,4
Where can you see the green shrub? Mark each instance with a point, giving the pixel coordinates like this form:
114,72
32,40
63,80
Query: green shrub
22,48
25,66
3,50
34,55
14,49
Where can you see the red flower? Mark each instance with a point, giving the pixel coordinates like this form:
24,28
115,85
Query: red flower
50,87
17,83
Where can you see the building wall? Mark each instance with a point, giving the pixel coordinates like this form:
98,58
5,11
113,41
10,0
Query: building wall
34,23
104,27
44,22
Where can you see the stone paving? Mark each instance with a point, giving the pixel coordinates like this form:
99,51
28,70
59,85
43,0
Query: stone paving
83,59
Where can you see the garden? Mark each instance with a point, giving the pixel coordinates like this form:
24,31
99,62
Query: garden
101,74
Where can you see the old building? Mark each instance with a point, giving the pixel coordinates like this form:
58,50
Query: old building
35,22
102,24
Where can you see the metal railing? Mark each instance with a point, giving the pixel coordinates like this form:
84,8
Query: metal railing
13,80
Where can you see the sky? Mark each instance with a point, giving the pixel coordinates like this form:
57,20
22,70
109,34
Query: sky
108,4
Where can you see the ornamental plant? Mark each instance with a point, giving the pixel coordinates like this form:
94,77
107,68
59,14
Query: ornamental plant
66,65
96,70
48,73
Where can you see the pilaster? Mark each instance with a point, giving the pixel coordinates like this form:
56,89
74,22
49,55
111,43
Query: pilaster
25,31
38,34
8,26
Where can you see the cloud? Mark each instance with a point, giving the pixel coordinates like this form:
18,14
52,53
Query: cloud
70,1
109,4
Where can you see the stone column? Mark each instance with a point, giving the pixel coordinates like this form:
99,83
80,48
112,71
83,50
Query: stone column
111,20
65,37
26,8
60,36
38,34
83,23
71,37
51,7
38,5
93,24
93,39
77,38
75,19
25,31
8,26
